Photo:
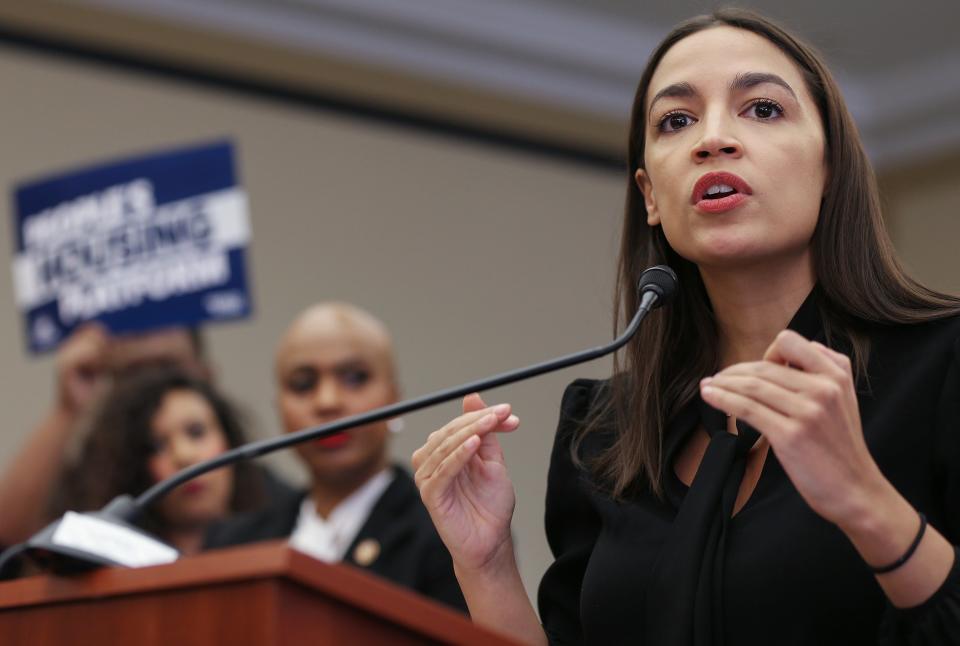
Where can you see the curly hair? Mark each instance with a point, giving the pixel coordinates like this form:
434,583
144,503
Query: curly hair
114,457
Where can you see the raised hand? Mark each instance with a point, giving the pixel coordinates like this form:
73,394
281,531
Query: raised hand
81,367
801,397
464,484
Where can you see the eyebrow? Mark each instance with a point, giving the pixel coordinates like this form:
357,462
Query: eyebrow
742,81
750,79
350,363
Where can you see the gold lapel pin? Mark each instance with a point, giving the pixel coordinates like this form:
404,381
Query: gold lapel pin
366,551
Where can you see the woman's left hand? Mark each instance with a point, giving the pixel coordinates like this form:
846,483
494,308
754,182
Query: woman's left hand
801,397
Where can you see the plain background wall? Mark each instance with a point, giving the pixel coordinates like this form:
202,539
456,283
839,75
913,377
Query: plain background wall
478,258
922,203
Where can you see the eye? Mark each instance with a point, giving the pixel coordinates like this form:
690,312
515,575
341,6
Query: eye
673,121
301,381
764,110
195,430
354,377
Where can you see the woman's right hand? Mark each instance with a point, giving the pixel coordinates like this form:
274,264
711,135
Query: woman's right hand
464,484
81,367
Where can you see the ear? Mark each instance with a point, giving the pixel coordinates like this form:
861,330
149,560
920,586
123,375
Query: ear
649,199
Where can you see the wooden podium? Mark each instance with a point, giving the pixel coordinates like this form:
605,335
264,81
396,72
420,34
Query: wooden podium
262,594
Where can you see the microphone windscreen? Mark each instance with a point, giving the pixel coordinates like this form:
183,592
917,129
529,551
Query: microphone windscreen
659,279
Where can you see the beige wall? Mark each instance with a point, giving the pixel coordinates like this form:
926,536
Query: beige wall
479,259
922,207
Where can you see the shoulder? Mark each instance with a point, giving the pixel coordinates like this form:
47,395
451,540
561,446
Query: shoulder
276,489
402,491
400,524
581,436
271,522
583,402
931,347
581,394
943,331
581,399
399,509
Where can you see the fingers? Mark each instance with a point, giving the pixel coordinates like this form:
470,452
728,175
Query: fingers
86,345
490,445
768,421
452,465
766,392
799,384
461,428
473,402
788,378
841,360
81,366
789,348
437,437
445,452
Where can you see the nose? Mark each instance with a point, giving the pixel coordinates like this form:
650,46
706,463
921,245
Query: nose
183,451
327,399
718,140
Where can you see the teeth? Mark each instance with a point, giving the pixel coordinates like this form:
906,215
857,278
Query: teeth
719,188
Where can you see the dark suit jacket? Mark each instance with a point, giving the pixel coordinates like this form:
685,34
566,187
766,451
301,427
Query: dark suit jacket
411,553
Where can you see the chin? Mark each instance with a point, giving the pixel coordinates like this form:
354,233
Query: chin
732,250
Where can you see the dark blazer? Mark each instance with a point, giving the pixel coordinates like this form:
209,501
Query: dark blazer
410,551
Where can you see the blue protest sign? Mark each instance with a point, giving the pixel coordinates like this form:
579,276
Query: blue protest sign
138,244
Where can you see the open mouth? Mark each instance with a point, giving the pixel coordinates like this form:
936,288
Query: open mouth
718,191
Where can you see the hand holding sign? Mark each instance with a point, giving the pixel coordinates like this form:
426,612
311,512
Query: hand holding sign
81,368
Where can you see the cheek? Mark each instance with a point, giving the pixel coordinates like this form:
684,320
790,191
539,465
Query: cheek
679,236
374,439
368,398
294,411
224,479
801,194
215,445
671,199
160,467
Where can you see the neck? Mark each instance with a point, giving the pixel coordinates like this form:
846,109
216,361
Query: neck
188,540
752,305
326,494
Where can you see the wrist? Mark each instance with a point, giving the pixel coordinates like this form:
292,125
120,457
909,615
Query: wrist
881,525
499,567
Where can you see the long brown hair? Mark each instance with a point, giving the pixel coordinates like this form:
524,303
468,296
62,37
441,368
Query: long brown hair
860,279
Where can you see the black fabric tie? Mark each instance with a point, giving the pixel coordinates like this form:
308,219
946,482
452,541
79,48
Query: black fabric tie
683,603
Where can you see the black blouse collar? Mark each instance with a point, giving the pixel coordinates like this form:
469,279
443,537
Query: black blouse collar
806,321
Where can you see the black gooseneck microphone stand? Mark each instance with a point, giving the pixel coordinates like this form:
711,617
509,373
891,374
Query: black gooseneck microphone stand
657,286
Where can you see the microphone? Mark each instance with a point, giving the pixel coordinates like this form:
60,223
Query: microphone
657,287
110,536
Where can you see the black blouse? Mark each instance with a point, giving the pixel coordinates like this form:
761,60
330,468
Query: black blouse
789,576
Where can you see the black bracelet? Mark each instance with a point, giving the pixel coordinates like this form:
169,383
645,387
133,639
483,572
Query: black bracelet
906,555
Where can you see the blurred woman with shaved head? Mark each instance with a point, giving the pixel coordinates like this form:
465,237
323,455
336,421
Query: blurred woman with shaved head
336,360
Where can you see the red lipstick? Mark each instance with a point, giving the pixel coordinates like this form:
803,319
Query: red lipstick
733,190
333,441
193,487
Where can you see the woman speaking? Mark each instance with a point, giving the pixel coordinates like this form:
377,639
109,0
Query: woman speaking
776,459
